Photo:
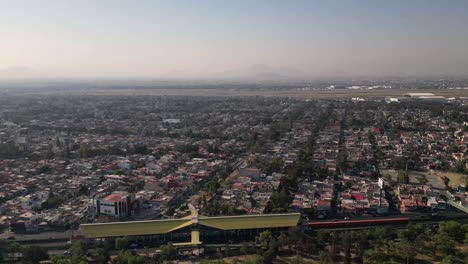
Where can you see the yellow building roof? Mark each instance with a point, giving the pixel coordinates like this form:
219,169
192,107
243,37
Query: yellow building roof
251,221
133,228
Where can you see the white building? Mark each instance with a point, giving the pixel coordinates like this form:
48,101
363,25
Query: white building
117,204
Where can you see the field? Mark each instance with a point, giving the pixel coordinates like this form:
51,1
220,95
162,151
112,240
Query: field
455,178
414,176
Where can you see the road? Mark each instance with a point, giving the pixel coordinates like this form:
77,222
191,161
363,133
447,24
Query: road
65,235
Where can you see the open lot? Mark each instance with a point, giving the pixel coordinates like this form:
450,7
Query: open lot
414,176
455,178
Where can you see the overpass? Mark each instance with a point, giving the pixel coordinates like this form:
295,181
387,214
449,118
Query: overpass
193,222
458,206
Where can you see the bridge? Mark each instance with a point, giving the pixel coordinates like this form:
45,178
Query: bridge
193,223
458,206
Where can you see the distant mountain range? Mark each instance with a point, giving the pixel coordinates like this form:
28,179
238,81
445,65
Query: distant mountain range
19,73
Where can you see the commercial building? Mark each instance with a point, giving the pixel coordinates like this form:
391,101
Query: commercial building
117,204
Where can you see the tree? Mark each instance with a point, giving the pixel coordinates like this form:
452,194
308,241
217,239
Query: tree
361,245
405,250
121,243
325,257
297,260
403,177
448,260
334,250
444,244
374,256
169,251
382,234
101,256
347,240
270,254
342,161
446,181
141,149
244,250
264,239
296,235
34,254
44,169
216,261
170,211
257,259
322,238
127,257
454,230
60,260
78,253
279,201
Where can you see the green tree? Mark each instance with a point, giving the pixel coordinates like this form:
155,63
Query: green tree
170,211
374,256
448,260
169,251
403,177
444,244
296,236
245,249
122,243
34,254
342,161
264,239
216,261
325,257
446,182
297,260
101,255
78,253
256,259
454,230
361,244
322,239
347,241
279,201
60,260
127,257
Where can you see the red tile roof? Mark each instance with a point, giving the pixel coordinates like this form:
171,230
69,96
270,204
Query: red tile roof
115,197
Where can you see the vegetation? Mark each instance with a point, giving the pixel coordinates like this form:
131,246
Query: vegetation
385,245
168,252
34,254
121,243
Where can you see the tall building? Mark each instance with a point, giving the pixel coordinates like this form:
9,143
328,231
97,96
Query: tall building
117,204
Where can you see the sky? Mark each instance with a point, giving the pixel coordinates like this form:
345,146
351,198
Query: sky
232,39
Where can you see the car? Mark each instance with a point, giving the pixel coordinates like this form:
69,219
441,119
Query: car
347,218
67,253
134,245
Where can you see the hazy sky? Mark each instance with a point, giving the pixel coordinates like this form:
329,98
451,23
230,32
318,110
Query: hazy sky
198,38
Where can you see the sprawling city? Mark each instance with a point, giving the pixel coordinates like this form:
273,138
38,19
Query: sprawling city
225,176
233,132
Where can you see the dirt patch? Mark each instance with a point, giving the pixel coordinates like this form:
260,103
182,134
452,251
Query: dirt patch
415,176
455,178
